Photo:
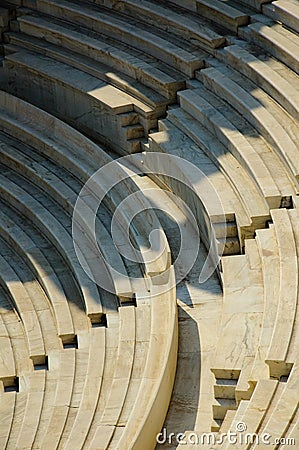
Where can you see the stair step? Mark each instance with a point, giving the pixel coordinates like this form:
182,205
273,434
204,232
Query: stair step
228,246
130,118
221,406
222,13
134,131
284,11
224,388
225,229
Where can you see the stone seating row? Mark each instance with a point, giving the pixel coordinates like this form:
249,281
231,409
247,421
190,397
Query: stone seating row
44,175
57,403
213,115
74,420
270,415
60,383
91,381
13,158
152,106
223,14
43,272
65,412
23,303
136,387
152,401
71,416
285,225
51,227
180,133
39,391
8,370
277,128
8,367
217,225
74,163
103,53
35,385
264,392
121,341
276,40
284,11
74,435
115,115
197,105
231,12
277,81
245,142
269,254
111,30
181,55
74,409
49,271
10,402
279,262
244,317
277,397
32,315
283,408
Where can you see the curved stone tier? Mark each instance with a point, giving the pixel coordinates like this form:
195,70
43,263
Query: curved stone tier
155,352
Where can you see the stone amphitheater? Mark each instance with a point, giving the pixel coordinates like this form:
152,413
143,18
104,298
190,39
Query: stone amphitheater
149,230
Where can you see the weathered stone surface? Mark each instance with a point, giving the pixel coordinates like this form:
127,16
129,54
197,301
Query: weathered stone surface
107,367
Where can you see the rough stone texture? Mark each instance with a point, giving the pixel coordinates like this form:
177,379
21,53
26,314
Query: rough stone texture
215,84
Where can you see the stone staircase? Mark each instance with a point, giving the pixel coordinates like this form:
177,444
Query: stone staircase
205,94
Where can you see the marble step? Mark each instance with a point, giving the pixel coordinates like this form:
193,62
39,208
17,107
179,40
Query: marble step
284,11
90,93
273,38
222,13
200,105
124,59
265,121
261,73
156,44
252,210
277,355
167,18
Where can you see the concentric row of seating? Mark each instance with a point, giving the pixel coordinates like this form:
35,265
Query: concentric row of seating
42,270
246,387
11,403
33,385
144,66
214,115
236,122
66,155
69,410
141,80
212,128
59,191
277,128
83,94
274,38
267,322
277,80
286,12
129,30
99,55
